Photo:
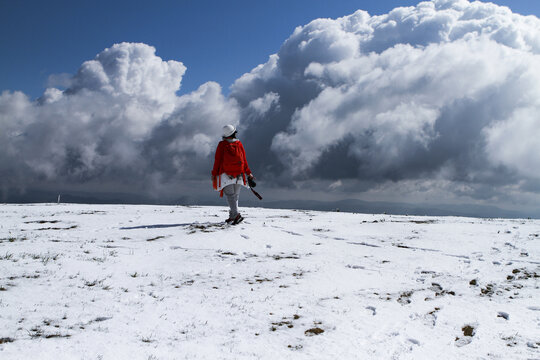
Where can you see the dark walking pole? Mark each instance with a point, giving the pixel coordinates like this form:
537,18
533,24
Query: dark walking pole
252,184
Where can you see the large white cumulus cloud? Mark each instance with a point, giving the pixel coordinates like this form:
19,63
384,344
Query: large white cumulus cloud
448,89
120,123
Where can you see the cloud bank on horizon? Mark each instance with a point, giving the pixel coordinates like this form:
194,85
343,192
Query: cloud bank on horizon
443,96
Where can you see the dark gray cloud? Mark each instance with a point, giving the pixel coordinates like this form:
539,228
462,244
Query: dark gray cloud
445,92
440,100
120,125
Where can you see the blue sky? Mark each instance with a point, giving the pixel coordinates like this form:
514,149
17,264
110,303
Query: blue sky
216,40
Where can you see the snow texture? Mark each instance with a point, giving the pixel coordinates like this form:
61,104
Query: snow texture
174,282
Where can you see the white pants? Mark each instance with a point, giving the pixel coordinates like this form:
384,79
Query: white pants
232,192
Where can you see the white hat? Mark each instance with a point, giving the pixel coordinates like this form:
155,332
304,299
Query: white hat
228,130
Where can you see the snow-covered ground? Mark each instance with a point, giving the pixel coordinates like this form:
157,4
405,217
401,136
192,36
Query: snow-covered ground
166,282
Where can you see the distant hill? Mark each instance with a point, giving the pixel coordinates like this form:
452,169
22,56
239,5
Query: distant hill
372,207
349,205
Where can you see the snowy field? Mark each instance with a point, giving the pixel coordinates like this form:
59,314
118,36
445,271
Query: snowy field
167,282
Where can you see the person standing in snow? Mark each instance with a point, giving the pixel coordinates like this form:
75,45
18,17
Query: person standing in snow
230,171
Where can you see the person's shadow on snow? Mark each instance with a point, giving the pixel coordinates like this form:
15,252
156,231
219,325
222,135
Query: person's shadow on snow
157,226
194,225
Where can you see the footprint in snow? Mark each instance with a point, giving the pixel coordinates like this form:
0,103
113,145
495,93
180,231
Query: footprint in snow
245,236
503,315
430,318
292,233
468,333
